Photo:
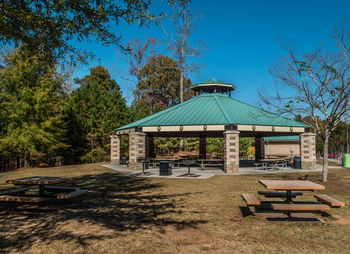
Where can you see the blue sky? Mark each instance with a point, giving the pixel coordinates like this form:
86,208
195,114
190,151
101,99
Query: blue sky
243,39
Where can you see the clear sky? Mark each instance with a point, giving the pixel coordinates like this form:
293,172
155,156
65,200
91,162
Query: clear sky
243,38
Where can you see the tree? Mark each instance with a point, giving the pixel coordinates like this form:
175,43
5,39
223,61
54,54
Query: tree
179,43
137,53
50,26
95,110
159,83
31,103
315,85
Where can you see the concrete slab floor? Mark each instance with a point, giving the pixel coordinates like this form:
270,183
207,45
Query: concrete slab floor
200,174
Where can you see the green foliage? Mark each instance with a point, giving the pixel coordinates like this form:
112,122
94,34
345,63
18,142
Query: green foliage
95,110
166,146
31,103
50,26
215,146
160,83
244,144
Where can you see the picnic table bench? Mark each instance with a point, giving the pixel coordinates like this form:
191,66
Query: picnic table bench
250,199
45,190
21,199
72,194
312,207
19,191
332,202
210,163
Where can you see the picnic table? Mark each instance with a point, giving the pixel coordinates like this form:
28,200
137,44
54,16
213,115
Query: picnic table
290,185
172,160
47,189
276,162
289,189
209,162
41,181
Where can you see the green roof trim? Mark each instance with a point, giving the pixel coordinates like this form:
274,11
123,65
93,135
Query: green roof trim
214,82
283,138
213,109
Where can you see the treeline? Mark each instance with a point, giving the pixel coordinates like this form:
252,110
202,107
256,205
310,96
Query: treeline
42,121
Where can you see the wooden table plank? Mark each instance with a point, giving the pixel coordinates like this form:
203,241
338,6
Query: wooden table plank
291,185
37,180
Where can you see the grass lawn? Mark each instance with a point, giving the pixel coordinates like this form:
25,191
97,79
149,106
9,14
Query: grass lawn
153,215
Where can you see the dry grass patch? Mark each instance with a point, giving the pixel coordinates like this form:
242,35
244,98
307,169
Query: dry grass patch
154,215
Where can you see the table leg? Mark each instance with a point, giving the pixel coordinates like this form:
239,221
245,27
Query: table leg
41,190
189,171
289,196
143,168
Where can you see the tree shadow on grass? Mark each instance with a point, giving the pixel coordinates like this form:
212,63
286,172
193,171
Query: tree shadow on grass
113,205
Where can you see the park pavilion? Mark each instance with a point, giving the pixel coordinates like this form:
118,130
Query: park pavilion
212,113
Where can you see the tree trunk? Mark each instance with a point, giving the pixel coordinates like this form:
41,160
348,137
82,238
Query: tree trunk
26,159
325,159
182,74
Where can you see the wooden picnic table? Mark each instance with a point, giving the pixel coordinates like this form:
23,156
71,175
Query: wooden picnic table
203,162
275,162
288,189
290,185
47,189
38,180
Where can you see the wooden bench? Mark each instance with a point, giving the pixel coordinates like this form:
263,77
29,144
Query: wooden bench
278,194
251,200
22,199
72,194
60,188
300,207
19,191
332,202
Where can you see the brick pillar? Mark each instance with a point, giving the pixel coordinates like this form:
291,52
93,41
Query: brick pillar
137,148
308,150
259,148
115,149
151,151
231,163
203,147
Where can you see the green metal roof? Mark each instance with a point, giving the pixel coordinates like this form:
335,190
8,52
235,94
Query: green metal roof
212,109
283,138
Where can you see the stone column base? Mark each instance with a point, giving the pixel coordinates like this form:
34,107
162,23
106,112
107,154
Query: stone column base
115,150
308,150
137,149
231,162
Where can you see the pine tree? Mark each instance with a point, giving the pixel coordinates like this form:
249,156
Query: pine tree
95,110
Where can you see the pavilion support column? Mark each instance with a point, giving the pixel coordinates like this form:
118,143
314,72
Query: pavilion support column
202,147
115,149
231,157
137,149
151,152
259,149
308,150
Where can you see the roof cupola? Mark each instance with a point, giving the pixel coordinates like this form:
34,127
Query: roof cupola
213,86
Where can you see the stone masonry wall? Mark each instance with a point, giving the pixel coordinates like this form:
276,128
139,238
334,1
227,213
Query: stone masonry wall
308,150
231,163
137,148
115,149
